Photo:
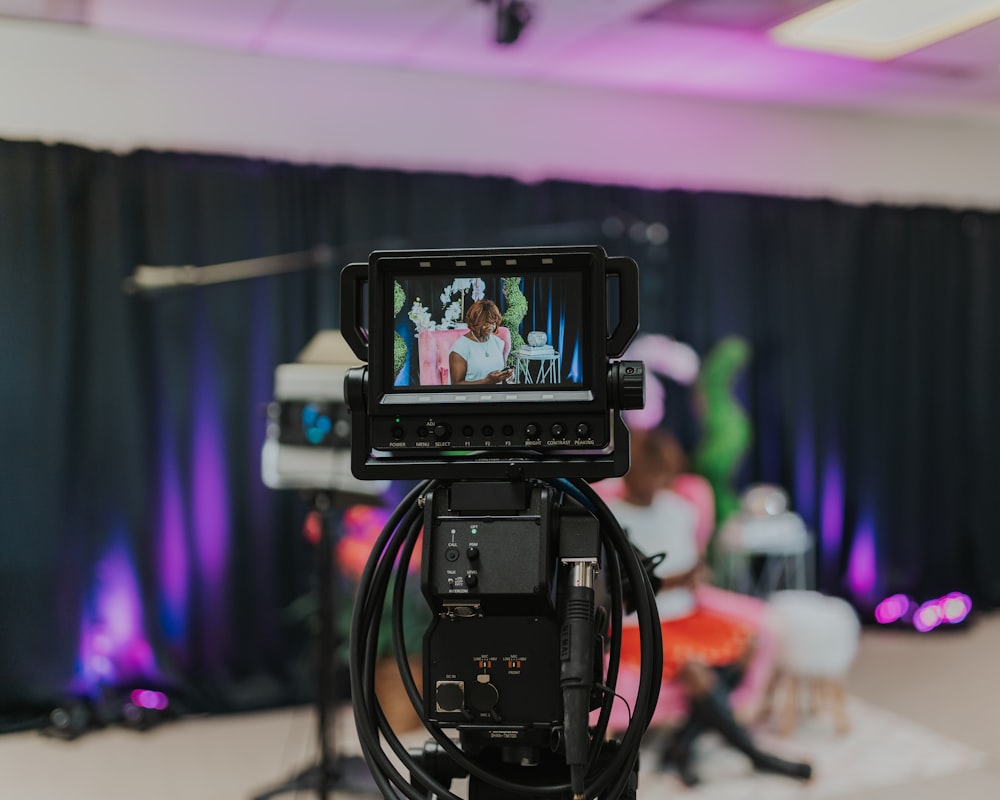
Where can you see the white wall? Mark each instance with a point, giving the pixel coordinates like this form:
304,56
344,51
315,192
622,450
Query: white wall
64,84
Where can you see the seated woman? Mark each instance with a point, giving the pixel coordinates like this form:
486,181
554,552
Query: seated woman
704,651
477,357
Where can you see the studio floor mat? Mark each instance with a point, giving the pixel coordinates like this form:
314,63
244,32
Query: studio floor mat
236,757
881,750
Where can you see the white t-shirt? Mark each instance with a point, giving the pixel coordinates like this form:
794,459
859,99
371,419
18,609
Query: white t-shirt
667,526
481,358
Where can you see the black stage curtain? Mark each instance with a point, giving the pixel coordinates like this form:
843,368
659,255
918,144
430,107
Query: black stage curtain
137,538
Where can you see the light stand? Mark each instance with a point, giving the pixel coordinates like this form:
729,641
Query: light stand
333,772
308,449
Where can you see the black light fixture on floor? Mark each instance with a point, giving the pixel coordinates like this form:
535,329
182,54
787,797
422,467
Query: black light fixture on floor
513,17
71,719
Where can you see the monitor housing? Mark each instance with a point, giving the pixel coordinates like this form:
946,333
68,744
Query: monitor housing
560,405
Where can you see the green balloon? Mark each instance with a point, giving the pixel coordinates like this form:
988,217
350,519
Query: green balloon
726,431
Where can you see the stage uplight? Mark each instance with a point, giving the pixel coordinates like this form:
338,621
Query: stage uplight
70,720
951,609
955,607
928,616
144,709
513,17
892,609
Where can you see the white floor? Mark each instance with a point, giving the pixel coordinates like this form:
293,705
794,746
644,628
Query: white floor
944,684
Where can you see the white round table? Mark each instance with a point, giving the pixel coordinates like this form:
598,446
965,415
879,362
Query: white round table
759,555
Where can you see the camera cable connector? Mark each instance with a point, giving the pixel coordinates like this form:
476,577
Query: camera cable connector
579,545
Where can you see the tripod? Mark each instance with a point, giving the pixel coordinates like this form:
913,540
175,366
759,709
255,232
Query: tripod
349,774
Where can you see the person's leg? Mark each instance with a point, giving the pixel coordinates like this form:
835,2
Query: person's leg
714,712
696,680
677,754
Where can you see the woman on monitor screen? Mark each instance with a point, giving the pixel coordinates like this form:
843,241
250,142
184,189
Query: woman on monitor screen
477,357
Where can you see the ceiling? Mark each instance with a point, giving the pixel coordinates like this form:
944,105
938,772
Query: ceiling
704,48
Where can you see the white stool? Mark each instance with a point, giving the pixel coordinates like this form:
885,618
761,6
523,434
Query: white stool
818,639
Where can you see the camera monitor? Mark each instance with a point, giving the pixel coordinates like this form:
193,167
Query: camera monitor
482,355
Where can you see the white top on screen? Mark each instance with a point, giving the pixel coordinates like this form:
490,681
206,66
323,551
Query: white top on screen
482,358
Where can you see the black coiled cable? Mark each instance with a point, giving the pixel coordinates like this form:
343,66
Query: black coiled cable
392,551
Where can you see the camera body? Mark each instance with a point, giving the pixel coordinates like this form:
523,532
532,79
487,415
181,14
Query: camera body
492,376
491,654
558,415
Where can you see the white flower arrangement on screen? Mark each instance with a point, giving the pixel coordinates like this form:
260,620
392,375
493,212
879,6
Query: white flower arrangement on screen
421,317
454,308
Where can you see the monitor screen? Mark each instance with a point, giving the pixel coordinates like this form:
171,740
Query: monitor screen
489,331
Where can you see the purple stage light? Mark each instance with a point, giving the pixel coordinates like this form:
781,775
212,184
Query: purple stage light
892,609
862,569
211,517
928,616
805,467
955,607
113,644
174,562
832,510
147,698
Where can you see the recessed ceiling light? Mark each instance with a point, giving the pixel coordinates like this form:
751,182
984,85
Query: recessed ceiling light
883,29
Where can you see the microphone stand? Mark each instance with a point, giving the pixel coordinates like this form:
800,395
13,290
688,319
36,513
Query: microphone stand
146,279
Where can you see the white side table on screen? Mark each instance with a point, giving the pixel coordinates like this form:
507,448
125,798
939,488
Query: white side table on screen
548,367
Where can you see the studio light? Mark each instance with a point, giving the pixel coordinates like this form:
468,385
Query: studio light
952,609
70,720
144,709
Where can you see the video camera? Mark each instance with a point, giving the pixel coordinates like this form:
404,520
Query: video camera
505,407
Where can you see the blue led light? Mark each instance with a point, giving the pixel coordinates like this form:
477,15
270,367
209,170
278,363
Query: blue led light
315,426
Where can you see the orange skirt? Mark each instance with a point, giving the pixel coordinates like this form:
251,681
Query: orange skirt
704,637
